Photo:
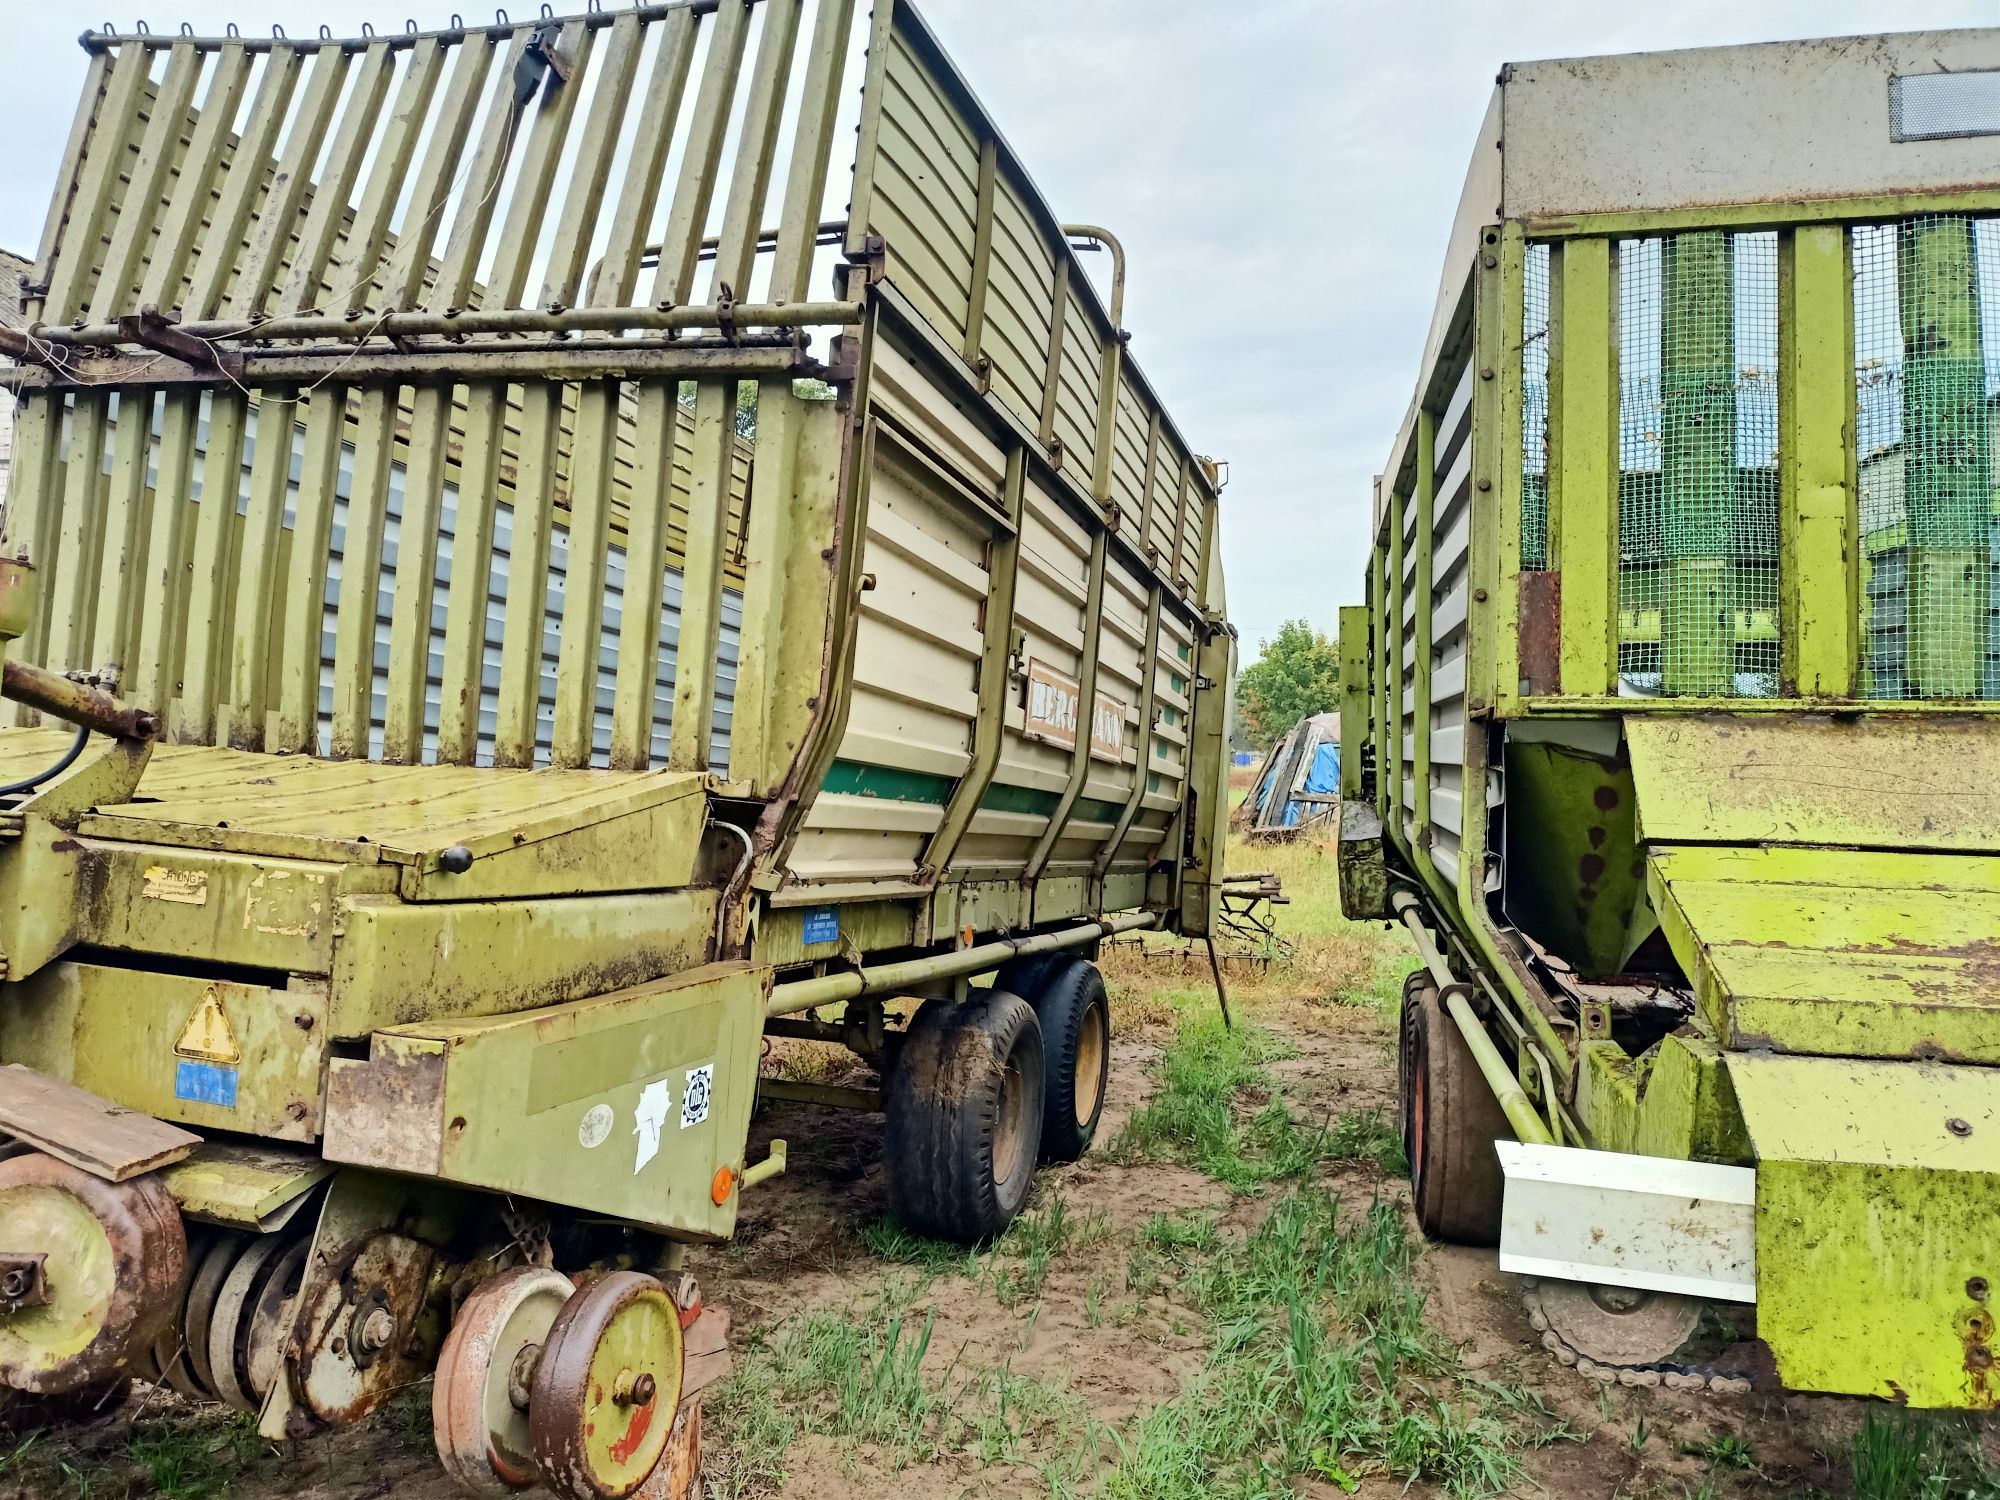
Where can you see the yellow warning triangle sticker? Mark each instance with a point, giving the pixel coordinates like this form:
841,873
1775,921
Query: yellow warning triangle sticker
207,1035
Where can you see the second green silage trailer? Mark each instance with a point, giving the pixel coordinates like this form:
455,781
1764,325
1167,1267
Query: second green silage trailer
1669,725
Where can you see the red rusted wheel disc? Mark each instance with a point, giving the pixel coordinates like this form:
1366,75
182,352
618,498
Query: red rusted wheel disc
478,1411
114,1253
607,1388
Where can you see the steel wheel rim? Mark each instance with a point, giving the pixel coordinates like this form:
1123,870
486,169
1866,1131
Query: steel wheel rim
607,1387
1010,1125
1091,1049
119,1253
482,1438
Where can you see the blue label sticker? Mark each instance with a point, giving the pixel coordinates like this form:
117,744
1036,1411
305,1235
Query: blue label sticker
205,1083
822,925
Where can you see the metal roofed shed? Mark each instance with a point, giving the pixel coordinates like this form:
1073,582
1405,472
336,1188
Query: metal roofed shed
1669,726
540,554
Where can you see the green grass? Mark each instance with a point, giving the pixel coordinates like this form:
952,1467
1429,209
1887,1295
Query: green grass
1908,1456
861,1379
192,1458
1320,1367
1216,1109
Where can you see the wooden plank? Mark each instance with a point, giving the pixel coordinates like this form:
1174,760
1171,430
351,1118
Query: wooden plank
74,1125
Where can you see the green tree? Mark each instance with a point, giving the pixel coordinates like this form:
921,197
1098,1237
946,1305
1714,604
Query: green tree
1297,673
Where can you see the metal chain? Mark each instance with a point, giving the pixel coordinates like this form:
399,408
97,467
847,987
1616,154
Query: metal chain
1673,1375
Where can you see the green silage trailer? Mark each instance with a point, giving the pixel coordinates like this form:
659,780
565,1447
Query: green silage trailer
1669,724
539,555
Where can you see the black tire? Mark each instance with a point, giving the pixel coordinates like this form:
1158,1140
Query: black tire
1026,976
1076,1046
1450,1122
964,1107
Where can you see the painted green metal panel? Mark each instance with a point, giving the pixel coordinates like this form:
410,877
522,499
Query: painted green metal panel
1583,489
625,1104
1837,952
1816,567
1878,1185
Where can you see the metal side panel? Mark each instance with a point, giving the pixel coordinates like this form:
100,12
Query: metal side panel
627,1104
1637,1221
1878,1186
1872,781
1841,952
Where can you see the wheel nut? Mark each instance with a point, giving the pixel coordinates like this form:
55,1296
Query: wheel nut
633,1390
377,1329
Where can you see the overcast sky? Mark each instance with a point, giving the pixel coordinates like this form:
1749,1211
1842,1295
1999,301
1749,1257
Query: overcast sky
1282,172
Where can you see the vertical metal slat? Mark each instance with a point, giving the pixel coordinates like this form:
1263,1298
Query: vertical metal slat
680,246
591,167
272,235
154,677
87,113
141,203
583,590
386,177
208,586
333,193
104,159
200,169
482,187
250,158
124,511
756,148
361,572
528,206
301,632
812,149
632,218
401,290
69,576
471,567
527,575
701,578
657,419
250,638
416,569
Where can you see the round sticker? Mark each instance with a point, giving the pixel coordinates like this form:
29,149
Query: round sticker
595,1126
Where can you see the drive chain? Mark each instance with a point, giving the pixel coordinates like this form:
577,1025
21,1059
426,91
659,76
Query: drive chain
1674,1376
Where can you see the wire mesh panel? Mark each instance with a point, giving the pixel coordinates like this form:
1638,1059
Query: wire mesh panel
1926,320
1535,409
1698,479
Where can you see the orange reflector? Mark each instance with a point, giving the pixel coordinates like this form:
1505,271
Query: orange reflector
724,1183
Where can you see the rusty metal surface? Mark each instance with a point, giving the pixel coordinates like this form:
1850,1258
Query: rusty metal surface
356,1334
76,702
610,1371
478,1423
677,1476
119,1252
1541,631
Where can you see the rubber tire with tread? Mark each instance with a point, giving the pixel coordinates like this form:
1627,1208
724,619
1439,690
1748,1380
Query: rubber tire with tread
943,1106
1069,989
1455,1177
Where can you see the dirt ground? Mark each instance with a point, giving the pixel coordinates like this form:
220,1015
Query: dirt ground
871,1364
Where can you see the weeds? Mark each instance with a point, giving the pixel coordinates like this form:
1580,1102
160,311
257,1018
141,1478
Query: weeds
1197,1115
1911,1457
890,1241
1368,1135
1318,1354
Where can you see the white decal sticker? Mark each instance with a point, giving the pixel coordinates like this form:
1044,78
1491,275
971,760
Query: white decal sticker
594,1127
694,1104
655,1103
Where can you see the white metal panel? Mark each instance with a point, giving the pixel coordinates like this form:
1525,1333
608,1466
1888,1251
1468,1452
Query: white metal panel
1775,121
1655,1222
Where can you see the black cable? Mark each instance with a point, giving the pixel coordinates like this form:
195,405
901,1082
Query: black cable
29,783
